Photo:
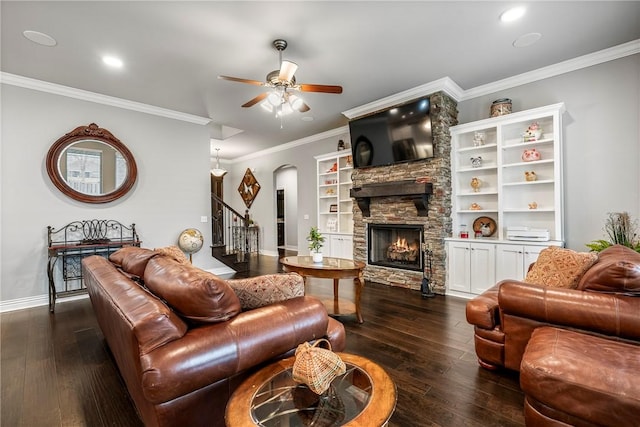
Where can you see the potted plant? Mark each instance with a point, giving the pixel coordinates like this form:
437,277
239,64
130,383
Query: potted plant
315,240
620,230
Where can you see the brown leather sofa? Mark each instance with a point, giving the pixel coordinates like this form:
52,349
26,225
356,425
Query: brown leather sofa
606,301
577,350
182,339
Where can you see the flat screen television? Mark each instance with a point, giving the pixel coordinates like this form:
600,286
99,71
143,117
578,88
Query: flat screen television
398,134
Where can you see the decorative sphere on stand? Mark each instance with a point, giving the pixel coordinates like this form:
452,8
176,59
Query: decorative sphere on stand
190,241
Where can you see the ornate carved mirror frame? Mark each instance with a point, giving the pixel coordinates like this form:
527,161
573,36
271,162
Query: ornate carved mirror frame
90,134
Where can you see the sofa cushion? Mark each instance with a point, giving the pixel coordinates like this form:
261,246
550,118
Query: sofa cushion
119,303
132,259
193,293
560,268
616,271
263,290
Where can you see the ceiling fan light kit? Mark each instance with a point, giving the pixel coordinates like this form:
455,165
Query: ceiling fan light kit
282,82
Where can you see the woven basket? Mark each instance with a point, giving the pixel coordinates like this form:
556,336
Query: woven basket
317,367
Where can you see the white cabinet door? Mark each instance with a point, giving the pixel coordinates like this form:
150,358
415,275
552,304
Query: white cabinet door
483,267
459,266
509,262
340,246
513,261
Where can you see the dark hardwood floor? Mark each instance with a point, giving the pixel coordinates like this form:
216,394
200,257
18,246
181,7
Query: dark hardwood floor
57,371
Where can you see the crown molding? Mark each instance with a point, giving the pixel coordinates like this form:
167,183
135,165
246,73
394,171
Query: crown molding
606,55
450,87
444,84
342,130
56,89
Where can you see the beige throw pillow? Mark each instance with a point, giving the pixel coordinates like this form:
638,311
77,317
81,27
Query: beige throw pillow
173,252
560,268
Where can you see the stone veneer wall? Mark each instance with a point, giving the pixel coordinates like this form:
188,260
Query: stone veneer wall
395,210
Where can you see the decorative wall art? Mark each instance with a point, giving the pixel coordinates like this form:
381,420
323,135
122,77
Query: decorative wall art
248,188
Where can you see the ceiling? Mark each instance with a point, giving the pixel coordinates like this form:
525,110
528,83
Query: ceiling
174,51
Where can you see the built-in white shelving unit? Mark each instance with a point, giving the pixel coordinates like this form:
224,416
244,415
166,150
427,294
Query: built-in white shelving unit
504,194
335,205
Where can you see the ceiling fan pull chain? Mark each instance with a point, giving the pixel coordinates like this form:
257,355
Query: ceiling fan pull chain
281,125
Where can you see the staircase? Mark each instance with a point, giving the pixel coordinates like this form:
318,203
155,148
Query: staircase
230,235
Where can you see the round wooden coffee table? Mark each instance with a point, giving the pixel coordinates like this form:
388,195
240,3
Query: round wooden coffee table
331,268
363,397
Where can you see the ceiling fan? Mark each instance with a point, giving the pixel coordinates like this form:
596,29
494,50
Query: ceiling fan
283,83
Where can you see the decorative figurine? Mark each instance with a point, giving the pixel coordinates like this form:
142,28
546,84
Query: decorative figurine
341,145
476,184
530,176
530,155
475,207
533,205
533,133
476,162
485,229
478,139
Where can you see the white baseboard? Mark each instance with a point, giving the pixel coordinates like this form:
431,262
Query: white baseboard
35,301
458,294
221,271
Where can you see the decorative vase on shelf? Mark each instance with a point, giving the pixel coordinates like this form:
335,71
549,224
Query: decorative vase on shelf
530,155
475,184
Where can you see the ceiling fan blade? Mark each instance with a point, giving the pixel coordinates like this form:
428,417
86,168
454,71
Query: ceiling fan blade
239,80
287,70
255,100
320,88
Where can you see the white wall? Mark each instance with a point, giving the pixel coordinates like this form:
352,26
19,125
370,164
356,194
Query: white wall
601,140
171,193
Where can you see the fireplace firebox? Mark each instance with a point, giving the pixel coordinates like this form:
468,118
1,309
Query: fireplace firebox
395,246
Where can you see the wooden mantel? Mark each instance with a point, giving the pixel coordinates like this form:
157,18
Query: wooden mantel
419,193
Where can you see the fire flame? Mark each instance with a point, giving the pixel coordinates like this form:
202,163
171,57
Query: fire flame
400,245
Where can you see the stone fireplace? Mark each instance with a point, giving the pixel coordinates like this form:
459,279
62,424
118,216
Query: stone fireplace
413,195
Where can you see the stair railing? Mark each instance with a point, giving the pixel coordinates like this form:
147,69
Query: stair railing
229,229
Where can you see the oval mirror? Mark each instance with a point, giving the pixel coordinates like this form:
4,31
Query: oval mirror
91,165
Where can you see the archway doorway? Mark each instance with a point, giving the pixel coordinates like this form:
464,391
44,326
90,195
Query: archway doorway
286,215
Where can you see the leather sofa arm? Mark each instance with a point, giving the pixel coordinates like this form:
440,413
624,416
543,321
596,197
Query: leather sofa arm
213,352
610,314
262,290
483,310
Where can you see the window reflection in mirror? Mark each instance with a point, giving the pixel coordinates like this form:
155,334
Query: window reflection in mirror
92,167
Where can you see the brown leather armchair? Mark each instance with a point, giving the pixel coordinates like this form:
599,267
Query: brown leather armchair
605,302
181,338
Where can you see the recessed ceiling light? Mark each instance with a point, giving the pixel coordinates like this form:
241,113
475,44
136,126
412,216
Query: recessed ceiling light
512,14
40,38
112,61
527,39
307,118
